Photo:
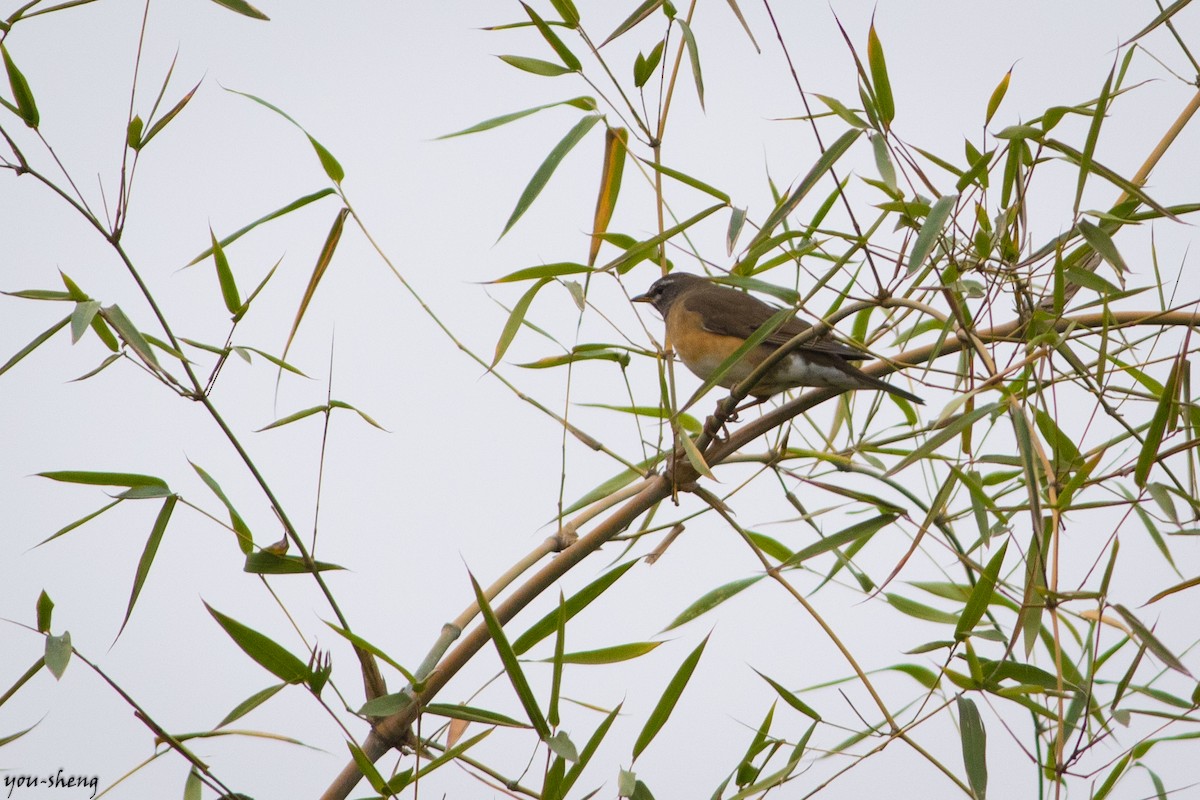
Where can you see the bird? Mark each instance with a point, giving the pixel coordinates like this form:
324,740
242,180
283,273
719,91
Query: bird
706,322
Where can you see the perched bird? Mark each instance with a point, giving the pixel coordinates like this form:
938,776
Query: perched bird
706,322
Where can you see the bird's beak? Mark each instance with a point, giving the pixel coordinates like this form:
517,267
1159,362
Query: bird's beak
641,298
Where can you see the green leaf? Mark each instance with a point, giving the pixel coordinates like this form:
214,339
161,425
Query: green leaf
290,207
712,599
666,703
552,39
264,562
127,479
471,714
45,610
35,344
268,654
684,178
131,335
81,318
839,108
1102,243
1093,135
997,97
1147,638
229,290
883,162
244,536
324,258
133,133
790,698
981,596
1158,424
243,8
931,229
250,703
583,103
555,270
58,654
166,119
573,605
512,667
694,58
737,220
884,102
919,610
947,433
515,318
26,106
585,755
148,553
695,457
640,13
609,655
542,176
644,66
536,66
859,531
974,746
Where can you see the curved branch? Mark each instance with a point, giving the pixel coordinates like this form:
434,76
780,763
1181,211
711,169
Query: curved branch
658,487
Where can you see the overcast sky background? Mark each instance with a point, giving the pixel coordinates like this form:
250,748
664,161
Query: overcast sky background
468,475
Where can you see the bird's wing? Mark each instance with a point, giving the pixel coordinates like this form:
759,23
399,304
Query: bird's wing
729,312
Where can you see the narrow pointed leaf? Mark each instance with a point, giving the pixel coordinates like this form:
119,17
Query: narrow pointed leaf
931,229
694,58
512,667
27,108
610,655
552,39
790,698
997,97
166,119
1093,135
1152,643
615,140
323,260
243,8
981,596
299,202
250,703
536,66
58,654
542,176
712,599
640,13
515,319
1158,425
882,85
267,653
470,714
573,605
859,531
131,335
666,703
148,553
688,180
35,344
81,318
1103,244
583,103
229,290
128,479
974,746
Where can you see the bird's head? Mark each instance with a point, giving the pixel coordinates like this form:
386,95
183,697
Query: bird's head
666,290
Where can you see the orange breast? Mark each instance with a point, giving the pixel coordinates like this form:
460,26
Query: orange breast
703,351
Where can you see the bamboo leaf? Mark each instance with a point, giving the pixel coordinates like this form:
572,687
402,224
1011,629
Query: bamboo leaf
268,654
997,97
324,258
981,596
711,600
26,107
148,553
542,176
515,319
229,290
250,703
583,103
552,39
1158,425
512,667
243,8
58,654
1147,638
471,714
1102,243
882,85
666,703
1093,135
974,746
615,141
610,655
640,13
290,207
37,342
157,127
790,698
693,57
931,229
535,66
858,531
